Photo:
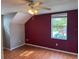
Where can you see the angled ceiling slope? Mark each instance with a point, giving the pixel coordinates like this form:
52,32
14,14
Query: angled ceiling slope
21,18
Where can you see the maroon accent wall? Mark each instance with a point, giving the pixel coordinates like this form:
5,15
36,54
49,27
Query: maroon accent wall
38,32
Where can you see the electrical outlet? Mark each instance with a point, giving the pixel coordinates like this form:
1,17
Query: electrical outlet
56,44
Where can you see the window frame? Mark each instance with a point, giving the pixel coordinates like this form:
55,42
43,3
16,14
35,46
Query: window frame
59,16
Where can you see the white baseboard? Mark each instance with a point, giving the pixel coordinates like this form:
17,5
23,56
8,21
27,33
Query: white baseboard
16,47
6,48
51,49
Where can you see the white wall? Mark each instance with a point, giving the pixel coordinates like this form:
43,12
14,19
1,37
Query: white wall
17,29
2,53
6,29
14,29
17,36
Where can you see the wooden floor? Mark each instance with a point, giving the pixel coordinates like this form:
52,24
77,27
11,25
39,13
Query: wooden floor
30,52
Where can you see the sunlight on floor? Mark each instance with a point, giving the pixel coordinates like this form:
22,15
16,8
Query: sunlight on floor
26,53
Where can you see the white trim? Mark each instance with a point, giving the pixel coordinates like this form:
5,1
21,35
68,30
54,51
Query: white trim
51,49
17,47
6,48
10,49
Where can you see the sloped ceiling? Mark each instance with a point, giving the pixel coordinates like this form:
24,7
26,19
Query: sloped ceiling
21,18
9,6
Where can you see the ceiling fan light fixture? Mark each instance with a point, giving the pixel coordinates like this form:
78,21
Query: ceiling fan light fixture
33,12
35,6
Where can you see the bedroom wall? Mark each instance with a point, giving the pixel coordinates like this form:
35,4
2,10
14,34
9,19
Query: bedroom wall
6,29
17,29
14,29
17,35
38,32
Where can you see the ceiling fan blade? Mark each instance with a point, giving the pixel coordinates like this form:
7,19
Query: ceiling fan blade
46,8
29,0
37,4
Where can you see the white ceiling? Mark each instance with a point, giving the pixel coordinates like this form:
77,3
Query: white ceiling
9,6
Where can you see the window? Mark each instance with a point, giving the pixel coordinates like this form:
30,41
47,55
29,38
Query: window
59,26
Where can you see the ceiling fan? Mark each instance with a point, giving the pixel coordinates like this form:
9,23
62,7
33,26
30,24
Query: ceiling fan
34,6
